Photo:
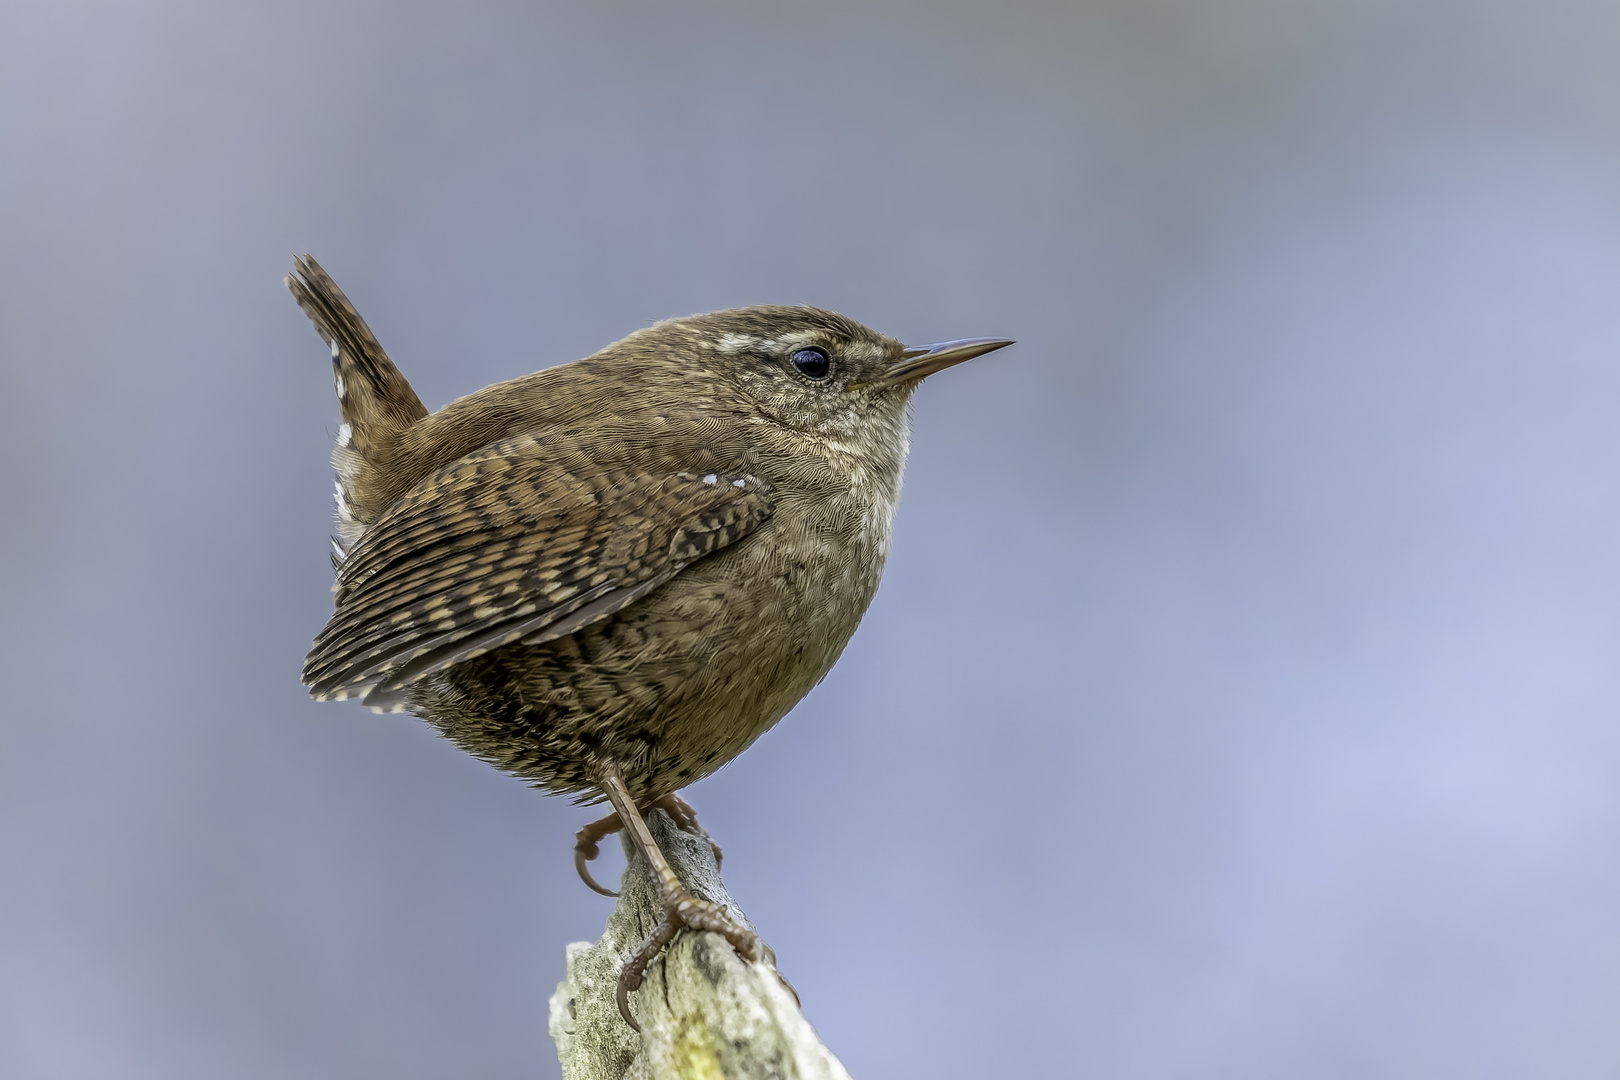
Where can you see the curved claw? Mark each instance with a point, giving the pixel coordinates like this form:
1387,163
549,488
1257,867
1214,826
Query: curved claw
585,849
635,968
623,997
769,955
580,859
781,978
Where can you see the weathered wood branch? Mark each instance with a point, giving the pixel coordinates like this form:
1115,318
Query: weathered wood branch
704,1012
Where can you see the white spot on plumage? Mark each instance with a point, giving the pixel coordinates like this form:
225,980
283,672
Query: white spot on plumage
345,434
342,391
336,350
863,350
736,343
710,479
344,508
739,483
786,343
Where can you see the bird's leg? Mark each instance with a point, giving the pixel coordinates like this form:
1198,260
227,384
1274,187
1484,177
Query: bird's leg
586,840
681,908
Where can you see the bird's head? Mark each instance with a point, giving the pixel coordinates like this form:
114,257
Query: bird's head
801,368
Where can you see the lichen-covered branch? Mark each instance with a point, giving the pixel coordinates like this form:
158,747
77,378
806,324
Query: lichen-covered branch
704,1012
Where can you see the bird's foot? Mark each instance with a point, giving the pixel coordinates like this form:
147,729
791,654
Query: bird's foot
683,910
587,841
685,818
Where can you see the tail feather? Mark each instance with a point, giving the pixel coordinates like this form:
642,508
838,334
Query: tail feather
375,400
374,397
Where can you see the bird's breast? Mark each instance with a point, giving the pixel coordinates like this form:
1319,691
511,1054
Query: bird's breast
810,574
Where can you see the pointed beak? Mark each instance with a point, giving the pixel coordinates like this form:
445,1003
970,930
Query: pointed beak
924,360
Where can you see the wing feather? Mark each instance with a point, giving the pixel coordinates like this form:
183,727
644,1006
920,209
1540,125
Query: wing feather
505,546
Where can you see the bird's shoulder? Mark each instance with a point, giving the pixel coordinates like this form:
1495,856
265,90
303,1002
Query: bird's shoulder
549,406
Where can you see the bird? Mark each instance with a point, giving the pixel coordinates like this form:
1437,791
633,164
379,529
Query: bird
611,576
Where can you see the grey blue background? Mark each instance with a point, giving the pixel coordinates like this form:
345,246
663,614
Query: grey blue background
1242,697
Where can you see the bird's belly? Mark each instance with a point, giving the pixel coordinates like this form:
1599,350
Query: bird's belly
678,684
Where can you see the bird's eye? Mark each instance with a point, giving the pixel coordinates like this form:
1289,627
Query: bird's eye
811,363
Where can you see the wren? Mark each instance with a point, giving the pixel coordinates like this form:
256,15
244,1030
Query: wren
609,577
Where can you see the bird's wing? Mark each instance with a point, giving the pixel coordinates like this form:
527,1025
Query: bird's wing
504,546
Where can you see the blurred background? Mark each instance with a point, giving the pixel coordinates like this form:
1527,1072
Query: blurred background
1241,699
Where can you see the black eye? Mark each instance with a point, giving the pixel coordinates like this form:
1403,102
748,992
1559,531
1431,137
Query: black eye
811,363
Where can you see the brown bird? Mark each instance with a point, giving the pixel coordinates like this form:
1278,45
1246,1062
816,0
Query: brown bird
609,577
